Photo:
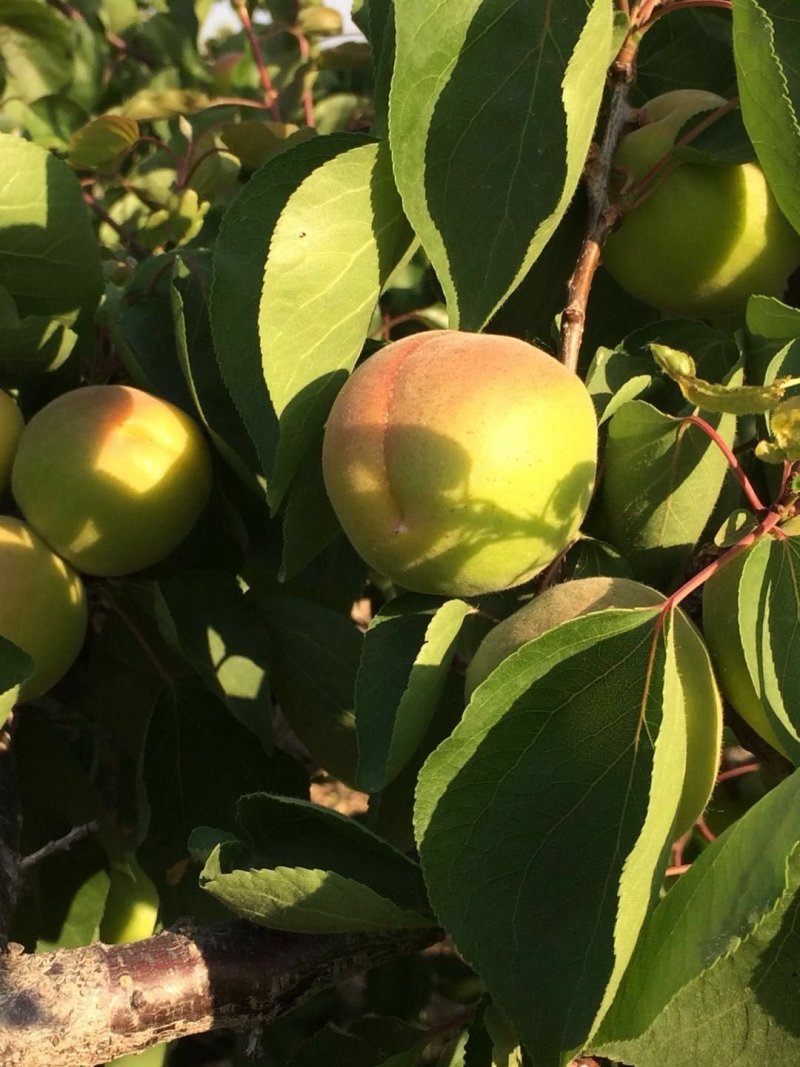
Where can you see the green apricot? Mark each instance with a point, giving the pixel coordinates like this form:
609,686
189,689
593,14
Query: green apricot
708,236
460,463
11,425
111,477
701,697
42,607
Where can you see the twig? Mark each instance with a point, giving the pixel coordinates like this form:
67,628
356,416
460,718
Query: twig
10,824
76,834
602,212
736,468
305,56
270,92
129,242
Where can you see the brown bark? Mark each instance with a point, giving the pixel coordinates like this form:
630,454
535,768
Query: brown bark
80,1007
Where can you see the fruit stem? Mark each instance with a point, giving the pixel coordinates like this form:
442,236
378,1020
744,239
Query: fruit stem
678,5
738,772
736,468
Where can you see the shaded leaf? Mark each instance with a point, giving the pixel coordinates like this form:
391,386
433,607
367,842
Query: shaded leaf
35,344
309,521
189,291
569,759
285,831
714,977
662,480
51,121
769,603
404,665
206,618
313,658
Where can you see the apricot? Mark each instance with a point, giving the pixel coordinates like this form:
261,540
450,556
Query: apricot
707,236
460,463
701,696
111,477
11,424
42,606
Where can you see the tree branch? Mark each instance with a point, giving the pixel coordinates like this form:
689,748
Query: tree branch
74,1007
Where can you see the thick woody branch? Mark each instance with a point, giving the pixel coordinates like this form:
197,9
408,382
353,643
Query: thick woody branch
77,1007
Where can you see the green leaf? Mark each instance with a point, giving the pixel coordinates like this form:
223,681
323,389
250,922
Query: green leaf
407,653
569,758
103,143
335,244
714,976
769,317
483,96
35,344
49,258
662,480
81,925
51,120
375,19
35,49
303,901
284,832
616,377
766,48
240,253
313,657
769,605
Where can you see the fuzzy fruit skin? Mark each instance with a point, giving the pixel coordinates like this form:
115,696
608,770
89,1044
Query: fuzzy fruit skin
42,607
460,463
11,426
111,477
708,237
701,696
720,615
